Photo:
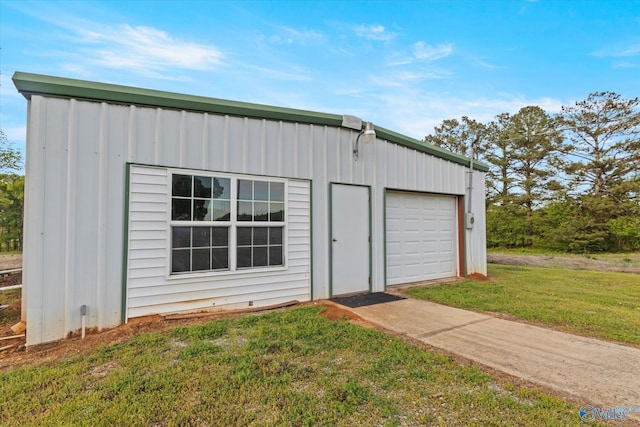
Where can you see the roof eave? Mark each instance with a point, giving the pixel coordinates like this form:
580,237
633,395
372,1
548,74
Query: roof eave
28,84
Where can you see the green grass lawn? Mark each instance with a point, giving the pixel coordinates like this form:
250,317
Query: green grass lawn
598,304
287,368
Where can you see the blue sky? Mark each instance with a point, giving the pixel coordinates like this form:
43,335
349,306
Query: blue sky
405,65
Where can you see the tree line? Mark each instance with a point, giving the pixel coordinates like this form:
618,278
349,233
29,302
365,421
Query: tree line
11,197
566,182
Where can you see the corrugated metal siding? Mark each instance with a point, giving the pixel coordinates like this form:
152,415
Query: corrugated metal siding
77,152
149,291
74,194
476,238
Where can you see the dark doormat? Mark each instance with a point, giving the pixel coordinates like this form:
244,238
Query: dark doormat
363,300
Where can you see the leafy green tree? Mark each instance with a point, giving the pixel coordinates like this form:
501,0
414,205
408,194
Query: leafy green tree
506,225
589,223
11,196
10,159
11,211
623,221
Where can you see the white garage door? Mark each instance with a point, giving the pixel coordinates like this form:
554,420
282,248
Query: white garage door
421,237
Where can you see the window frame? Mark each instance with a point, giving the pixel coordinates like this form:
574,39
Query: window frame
233,224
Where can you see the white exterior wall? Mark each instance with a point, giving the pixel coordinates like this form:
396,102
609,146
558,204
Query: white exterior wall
152,290
75,203
476,238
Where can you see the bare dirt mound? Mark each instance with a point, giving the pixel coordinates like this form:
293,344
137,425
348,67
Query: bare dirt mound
337,312
478,277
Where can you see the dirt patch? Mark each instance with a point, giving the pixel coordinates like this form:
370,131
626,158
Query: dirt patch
10,261
8,317
626,263
12,279
74,345
337,312
477,277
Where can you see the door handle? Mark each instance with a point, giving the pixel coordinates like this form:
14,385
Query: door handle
334,239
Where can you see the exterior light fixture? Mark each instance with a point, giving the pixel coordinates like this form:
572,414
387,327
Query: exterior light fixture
369,136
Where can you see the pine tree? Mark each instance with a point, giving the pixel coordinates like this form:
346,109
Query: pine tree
535,144
604,135
459,136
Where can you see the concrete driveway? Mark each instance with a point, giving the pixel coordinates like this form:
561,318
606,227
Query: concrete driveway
595,372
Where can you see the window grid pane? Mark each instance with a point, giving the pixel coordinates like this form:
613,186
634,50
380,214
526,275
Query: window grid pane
199,249
260,201
208,199
259,246
193,198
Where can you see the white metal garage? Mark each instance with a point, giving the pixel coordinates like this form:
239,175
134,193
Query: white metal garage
421,237
145,202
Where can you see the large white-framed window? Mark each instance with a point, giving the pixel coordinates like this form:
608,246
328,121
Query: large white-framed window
225,223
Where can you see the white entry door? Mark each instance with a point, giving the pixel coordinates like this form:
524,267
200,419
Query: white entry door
350,246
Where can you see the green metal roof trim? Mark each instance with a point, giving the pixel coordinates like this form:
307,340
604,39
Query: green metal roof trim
39,84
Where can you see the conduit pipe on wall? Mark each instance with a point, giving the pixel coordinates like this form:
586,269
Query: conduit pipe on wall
469,219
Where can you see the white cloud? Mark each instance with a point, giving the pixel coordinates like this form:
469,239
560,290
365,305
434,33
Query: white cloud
147,49
374,32
633,50
406,78
416,113
397,60
8,89
425,52
13,112
625,64
288,35
143,50
341,50
489,65
385,82
421,52
297,74
16,134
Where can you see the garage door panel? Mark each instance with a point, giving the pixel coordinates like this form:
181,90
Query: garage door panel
421,235
430,247
447,266
412,249
427,270
429,224
445,226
